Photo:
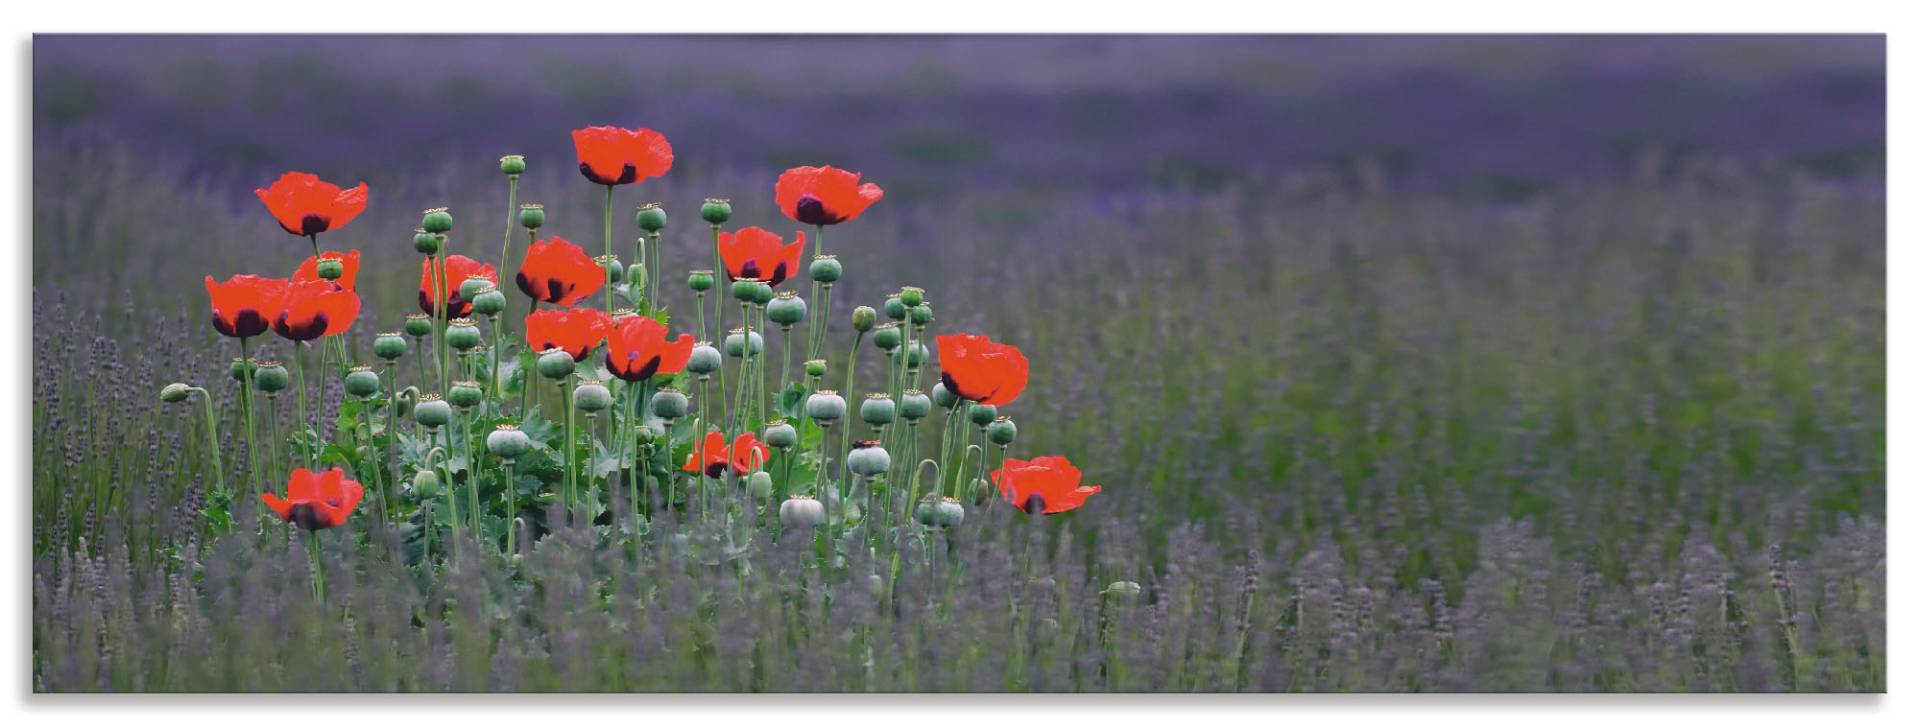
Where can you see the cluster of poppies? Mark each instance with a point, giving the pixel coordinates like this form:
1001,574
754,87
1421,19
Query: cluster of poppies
641,357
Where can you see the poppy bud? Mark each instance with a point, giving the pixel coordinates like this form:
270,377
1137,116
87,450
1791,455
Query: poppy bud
894,309
648,433
700,280
462,334
532,216
669,403
745,290
426,243
240,368
982,491
513,165
863,318
650,217
887,337
943,397
471,287
877,410
437,220
739,338
981,414
419,324
271,377
762,293
592,397
508,442
1122,589
868,459
826,406
825,268
780,434
175,392
949,513
704,360
801,510
816,368
760,485
489,301
917,355
426,484
787,309
915,405
361,381
330,268
912,296
556,363
1002,431
389,346
716,211
432,412
921,314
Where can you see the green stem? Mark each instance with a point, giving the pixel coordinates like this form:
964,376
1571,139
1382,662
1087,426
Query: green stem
246,402
506,240
609,237
572,486
300,381
319,569
213,440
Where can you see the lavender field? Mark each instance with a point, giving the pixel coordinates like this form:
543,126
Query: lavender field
1405,364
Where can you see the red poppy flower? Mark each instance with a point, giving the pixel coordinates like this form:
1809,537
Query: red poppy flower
575,330
559,272
756,254
306,206
1045,485
243,304
315,308
611,155
712,455
317,500
977,369
823,195
638,347
458,269
349,260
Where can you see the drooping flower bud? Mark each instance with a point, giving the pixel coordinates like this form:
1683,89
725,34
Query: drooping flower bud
669,403
419,325
912,296
175,392
330,268
555,363
389,346
787,309
704,360
426,484
362,381
271,377
650,217
432,412
915,405
489,301
437,220
867,458
737,343
508,442
816,368
760,485
981,414
592,397
826,406
700,280
877,409
801,510
1002,431
886,336
983,492
943,397
426,243
716,211
513,165
1121,589
532,216
780,434
825,268
462,334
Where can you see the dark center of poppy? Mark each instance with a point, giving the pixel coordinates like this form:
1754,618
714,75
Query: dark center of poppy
810,210
306,517
301,330
312,224
749,270
1036,504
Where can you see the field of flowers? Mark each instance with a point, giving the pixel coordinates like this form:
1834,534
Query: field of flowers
1151,364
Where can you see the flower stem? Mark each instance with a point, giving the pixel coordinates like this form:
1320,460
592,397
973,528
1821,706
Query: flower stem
246,402
213,440
506,240
609,236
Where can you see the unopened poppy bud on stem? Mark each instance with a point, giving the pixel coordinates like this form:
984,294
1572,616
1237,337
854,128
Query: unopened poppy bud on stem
532,216
271,378
650,217
760,485
437,220
419,325
175,392
426,484
389,346
716,211
864,318
362,381
513,165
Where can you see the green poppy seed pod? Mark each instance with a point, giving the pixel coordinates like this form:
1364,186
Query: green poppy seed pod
361,381
801,510
948,513
471,287
917,355
426,484
419,325
760,485
912,296
271,377
921,314
555,364
389,346
490,301
886,337
240,368
762,293
508,442
532,216
513,165
432,412
426,243
592,397
781,435
669,404
648,433
894,309
943,397
700,280
816,368
863,318
462,334
1122,589
737,339
746,290
825,268
1002,431
927,511
716,211
611,264
867,458
877,410
704,360
826,406
915,405
465,394
175,392
650,217
787,309
437,220
330,268
981,414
